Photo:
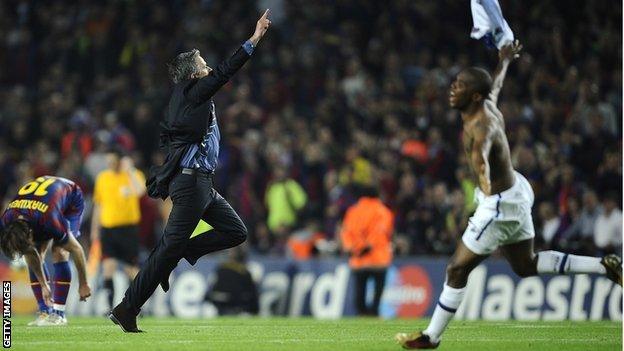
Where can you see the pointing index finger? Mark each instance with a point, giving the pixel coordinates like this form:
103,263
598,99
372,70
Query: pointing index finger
265,14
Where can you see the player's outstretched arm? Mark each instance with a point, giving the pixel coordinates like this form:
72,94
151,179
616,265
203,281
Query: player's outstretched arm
207,86
481,147
506,54
34,262
77,254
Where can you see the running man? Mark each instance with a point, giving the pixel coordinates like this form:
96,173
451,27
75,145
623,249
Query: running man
503,218
190,133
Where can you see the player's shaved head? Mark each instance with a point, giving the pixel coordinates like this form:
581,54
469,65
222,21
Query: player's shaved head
479,80
16,239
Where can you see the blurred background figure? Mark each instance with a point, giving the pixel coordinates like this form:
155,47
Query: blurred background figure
608,227
579,223
234,291
116,217
366,237
550,223
285,199
308,242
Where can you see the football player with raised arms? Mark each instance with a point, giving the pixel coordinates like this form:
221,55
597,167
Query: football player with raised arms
503,218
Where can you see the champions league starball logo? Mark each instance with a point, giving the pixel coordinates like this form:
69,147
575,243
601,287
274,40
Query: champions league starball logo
408,292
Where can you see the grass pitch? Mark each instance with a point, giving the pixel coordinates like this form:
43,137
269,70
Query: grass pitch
168,334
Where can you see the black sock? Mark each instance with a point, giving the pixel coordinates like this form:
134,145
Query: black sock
110,288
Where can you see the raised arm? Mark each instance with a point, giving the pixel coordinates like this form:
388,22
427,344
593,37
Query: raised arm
261,27
506,54
207,86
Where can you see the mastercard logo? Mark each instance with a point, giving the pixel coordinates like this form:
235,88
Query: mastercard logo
409,293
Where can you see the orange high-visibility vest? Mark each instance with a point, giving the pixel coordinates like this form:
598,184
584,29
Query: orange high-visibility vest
301,248
368,223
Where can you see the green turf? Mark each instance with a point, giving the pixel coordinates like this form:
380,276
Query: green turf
90,334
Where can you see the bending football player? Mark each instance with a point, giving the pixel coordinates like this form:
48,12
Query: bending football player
47,212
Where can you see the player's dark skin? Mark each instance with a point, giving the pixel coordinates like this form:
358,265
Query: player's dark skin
487,149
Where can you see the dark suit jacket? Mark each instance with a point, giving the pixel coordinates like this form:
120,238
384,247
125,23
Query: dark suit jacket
187,119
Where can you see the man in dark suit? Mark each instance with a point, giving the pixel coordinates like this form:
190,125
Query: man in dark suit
190,134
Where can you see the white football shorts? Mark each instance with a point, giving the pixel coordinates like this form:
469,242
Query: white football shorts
501,219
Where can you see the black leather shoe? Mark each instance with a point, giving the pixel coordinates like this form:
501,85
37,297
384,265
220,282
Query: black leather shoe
124,319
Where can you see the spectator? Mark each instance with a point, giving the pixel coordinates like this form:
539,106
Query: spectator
78,138
610,174
436,227
568,236
304,243
608,227
284,199
234,291
580,233
590,212
96,161
118,134
550,222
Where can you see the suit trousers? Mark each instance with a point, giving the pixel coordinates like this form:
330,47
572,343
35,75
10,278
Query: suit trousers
193,198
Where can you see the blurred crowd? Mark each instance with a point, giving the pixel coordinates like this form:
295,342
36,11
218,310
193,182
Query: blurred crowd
339,95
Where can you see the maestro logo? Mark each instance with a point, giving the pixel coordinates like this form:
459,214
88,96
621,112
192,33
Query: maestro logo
408,293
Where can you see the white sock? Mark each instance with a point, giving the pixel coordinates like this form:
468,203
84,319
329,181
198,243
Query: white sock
560,263
449,301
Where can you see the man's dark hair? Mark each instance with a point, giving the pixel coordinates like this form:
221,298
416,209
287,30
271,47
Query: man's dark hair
480,80
183,65
15,239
